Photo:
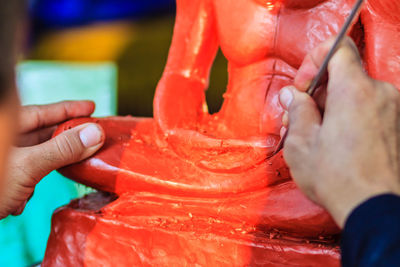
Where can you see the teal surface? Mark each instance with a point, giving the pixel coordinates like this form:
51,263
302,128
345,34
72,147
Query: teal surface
48,82
23,239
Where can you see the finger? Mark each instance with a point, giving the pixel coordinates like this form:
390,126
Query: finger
69,147
345,69
304,117
348,85
311,65
320,97
282,132
36,137
37,117
314,60
309,70
345,63
20,209
306,73
285,119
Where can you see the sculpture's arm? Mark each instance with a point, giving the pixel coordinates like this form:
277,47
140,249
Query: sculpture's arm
180,99
381,20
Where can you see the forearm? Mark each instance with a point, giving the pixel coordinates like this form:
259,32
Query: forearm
180,97
179,101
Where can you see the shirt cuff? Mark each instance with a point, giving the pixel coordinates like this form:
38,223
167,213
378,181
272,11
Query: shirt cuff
370,230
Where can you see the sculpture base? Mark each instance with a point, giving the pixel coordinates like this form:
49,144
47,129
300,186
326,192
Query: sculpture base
100,230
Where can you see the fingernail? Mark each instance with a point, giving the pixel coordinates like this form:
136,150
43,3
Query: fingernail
286,97
90,135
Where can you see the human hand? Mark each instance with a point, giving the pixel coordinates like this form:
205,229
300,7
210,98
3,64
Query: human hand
36,155
351,153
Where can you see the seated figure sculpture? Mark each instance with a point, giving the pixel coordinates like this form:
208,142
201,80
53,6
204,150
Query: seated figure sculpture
190,188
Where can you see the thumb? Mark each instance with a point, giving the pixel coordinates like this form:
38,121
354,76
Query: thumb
304,117
69,147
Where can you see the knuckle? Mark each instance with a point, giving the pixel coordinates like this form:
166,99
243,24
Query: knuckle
37,118
349,54
65,108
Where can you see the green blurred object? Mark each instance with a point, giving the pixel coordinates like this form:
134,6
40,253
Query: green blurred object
23,239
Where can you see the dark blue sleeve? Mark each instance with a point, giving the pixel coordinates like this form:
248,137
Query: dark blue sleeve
371,236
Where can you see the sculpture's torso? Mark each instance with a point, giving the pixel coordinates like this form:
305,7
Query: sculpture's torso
265,43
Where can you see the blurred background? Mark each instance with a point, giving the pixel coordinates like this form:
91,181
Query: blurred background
110,51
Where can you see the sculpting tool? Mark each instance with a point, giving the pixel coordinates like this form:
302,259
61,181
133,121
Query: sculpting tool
318,79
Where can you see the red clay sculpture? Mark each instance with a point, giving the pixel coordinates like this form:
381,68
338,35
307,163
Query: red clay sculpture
192,189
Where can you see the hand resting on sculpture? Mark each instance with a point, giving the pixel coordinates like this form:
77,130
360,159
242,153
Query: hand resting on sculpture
351,153
35,155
